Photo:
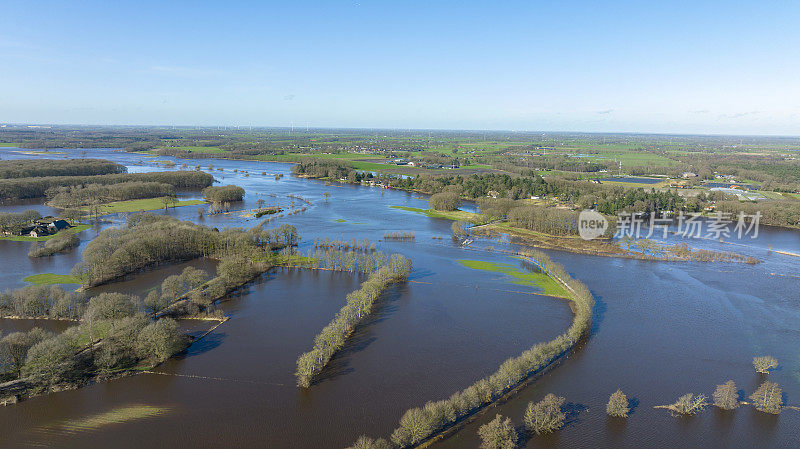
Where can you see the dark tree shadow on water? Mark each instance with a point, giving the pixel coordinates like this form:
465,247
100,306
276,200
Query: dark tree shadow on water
210,342
633,404
572,410
362,337
598,314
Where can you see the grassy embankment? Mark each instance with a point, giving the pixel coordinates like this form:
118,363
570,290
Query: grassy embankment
548,285
24,238
142,205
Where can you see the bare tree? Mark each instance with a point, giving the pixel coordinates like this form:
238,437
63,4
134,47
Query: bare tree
498,434
768,398
764,363
726,396
618,405
545,416
688,404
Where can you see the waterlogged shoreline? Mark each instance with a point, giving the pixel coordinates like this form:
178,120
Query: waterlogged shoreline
599,248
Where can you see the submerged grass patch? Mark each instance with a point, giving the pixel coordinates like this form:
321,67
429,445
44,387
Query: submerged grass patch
548,285
115,416
52,278
456,215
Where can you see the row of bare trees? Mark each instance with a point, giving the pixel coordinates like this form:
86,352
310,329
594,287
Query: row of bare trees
359,305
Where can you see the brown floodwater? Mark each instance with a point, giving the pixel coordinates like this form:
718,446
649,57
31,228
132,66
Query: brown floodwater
659,330
236,387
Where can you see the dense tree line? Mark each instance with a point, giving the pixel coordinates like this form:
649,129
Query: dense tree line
31,168
65,197
559,162
148,240
14,222
62,242
359,305
419,424
445,201
223,194
20,188
545,219
608,199
773,212
42,301
113,335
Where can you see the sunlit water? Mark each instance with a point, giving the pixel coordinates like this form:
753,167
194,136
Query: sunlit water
660,330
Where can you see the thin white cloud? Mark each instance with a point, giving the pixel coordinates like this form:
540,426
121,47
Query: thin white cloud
187,72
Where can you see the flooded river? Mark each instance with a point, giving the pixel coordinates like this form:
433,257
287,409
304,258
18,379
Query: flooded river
659,330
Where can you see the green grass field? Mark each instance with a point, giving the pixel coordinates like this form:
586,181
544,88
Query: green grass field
8,145
23,238
456,215
142,205
51,278
548,285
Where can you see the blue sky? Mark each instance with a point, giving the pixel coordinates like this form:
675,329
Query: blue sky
637,66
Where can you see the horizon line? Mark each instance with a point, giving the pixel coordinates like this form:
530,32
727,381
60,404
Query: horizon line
302,128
